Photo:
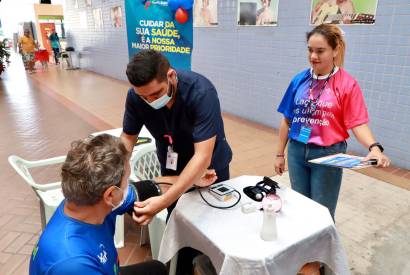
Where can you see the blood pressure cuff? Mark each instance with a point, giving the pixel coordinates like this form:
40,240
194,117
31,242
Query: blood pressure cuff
261,189
144,189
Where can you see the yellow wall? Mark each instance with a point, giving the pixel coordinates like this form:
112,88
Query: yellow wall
45,9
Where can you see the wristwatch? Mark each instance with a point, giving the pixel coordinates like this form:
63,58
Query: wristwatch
378,145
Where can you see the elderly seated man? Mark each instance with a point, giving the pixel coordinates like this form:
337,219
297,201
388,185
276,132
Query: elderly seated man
79,238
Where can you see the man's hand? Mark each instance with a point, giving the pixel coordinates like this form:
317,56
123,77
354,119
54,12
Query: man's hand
144,211
207,178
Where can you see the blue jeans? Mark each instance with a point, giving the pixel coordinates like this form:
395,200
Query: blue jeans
318,182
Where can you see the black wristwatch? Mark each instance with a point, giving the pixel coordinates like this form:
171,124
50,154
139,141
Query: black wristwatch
378,145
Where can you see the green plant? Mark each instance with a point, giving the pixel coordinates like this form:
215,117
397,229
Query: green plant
4,55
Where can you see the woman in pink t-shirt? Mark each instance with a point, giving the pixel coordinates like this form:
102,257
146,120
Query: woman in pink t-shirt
319,107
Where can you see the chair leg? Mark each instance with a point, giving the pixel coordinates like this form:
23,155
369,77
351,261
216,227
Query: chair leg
119,232
156,230
42,215
144,238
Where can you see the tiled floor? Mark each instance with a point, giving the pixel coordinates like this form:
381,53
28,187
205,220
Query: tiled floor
42,113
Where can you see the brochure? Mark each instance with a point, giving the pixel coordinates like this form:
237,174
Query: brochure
343,161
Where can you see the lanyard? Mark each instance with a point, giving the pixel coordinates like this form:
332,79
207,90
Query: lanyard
313,101
170,127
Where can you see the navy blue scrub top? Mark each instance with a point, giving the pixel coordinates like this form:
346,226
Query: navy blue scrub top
195,117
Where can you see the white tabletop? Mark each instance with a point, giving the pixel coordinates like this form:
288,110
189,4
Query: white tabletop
117,132
231,239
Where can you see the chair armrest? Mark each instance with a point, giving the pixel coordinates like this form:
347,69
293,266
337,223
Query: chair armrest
22,166
45,162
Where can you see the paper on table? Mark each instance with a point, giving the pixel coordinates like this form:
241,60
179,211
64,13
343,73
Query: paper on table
342,161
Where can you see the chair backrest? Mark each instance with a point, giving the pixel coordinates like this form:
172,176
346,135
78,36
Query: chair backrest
22,167
144,163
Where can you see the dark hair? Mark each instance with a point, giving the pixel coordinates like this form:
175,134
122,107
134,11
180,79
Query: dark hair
334,38
92,165
146,66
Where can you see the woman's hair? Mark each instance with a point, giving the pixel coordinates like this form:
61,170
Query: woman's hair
92,165
334,37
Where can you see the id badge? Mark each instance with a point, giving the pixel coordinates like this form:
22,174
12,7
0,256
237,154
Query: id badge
304,134
172,159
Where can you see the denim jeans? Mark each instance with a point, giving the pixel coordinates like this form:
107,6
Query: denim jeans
318,182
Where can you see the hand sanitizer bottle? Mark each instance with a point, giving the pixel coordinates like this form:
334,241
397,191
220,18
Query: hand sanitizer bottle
269,230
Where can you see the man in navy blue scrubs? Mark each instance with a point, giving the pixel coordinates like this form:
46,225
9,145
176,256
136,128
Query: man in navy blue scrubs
181,110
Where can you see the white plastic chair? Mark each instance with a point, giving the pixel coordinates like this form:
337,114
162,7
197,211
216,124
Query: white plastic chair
145,166
51,195
144,162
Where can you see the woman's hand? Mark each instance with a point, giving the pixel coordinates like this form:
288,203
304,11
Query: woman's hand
279,162
279,165
382,159
365,136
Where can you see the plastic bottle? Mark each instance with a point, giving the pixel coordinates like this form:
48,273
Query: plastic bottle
269,230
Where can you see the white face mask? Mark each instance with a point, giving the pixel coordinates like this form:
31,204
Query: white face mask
124,197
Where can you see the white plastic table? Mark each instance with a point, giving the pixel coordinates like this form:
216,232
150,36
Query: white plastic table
231,239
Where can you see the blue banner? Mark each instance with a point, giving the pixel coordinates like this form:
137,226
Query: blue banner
151,25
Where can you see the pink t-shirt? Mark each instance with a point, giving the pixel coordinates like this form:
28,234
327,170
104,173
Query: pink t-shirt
340,107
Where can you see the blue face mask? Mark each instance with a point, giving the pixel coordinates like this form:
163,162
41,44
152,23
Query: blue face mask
160,102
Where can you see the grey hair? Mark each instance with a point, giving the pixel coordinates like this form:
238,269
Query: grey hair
92,165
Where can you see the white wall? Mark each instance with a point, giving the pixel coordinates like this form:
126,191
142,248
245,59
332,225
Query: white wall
252,66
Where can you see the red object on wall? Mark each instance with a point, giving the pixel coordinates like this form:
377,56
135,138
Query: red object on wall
45,29
181,15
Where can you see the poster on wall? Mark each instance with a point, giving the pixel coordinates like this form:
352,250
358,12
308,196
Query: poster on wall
98,20
206,13
157,26
349,12
83,19
116,17
258,12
